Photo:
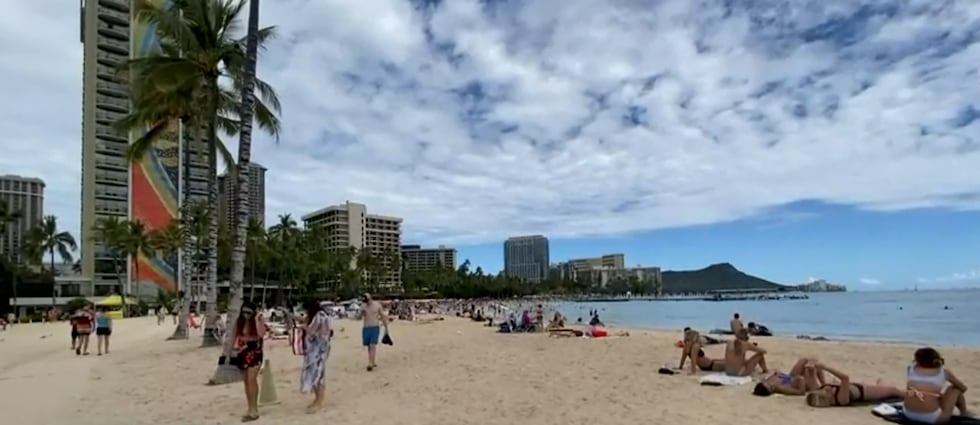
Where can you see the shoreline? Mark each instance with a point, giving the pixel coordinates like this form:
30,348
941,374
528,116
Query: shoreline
830,338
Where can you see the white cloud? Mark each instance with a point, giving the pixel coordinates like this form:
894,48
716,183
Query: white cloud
869,281
967,277
476,124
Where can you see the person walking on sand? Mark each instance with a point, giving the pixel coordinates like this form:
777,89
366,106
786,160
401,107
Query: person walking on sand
735,351
250,332
373,316
316,339
103,329
83,326
161,315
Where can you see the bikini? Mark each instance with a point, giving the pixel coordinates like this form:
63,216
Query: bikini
859,399
938,380
711,363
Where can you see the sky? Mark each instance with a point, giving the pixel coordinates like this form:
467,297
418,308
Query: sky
837,139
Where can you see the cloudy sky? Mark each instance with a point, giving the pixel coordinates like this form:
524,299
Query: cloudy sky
832,138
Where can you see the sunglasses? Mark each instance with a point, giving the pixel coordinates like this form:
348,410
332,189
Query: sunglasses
247,312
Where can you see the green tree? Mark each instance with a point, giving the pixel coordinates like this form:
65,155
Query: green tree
48,239
111,233
137,243
169,240
183,81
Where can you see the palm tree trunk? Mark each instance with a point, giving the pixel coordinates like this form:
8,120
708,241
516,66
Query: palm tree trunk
251,284
185,259
136,275
54,284
212,316
122,284
226,373
13,288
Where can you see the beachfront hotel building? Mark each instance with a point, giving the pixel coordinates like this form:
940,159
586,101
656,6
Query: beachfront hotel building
24,196
415,258
350,225
151,189
256,196
572,269
527,258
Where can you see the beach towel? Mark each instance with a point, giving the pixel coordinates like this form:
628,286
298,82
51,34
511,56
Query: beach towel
893,413
720,379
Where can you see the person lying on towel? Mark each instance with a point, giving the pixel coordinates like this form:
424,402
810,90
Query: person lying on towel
693,350
800,379
846,392
737,361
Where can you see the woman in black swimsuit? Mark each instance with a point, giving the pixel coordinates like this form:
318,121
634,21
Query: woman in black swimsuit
249,334
847,393
692,350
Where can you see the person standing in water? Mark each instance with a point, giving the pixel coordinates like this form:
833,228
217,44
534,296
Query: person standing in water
373,316
736,324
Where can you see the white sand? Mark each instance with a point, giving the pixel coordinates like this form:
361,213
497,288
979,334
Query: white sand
453,372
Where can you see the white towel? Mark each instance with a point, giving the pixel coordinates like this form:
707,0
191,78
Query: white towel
720,379
884,409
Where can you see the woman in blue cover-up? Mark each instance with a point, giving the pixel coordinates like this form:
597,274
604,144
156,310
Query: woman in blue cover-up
316,336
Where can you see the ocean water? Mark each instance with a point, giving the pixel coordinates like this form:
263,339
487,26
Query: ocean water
926,317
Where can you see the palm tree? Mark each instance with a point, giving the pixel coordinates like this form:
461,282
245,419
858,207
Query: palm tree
182,81
137,243
7,216
169,240
255,250
47,239
111,231
248,109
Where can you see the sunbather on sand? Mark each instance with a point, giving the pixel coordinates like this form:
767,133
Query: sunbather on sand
693,350
736,363
928,399
847,393
800,379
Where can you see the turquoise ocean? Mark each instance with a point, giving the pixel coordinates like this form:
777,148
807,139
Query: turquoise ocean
949,317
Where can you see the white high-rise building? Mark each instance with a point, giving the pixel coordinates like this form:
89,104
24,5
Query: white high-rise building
25,197
349,224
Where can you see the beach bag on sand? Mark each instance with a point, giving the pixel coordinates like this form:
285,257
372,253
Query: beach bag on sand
386,340
297,339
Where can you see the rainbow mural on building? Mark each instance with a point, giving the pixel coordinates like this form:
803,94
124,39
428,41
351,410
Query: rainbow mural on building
154,179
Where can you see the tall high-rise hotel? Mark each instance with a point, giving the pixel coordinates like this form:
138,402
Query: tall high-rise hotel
527,258
147,189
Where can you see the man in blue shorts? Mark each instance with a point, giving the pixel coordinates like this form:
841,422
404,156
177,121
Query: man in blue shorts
373,316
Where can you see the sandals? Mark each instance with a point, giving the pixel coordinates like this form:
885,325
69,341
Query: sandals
250,418
372,368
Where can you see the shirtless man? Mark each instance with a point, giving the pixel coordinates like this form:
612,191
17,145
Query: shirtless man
736,324
735,351
373,316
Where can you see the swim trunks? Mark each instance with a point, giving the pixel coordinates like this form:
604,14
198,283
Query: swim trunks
370,335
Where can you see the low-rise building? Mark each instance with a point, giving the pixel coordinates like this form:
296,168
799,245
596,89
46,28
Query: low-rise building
415,258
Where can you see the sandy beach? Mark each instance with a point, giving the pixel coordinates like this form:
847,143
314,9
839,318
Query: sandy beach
450,372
